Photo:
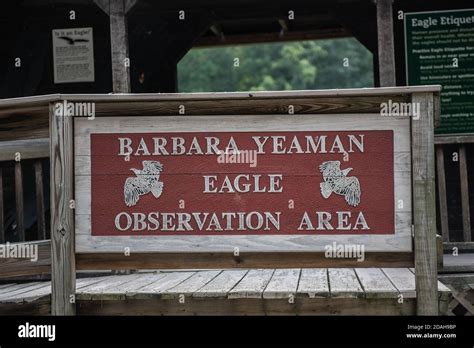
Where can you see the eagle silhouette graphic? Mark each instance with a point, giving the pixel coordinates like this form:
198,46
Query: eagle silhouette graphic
337,181
146,180
72,41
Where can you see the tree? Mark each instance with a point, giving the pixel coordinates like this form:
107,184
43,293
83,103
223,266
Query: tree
337,63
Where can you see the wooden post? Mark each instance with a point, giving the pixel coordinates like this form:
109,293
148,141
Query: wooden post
63,272
424,206
40,223
117,11
466,216
19,207
2,227
386,46
119,47
443,201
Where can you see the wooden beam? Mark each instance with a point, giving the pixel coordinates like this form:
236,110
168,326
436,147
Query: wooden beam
2,221
40,217
209,41
386,46
30,148
119,47
170,260
454,139
19,206
23,267
442,196
466,216
62,217
424,206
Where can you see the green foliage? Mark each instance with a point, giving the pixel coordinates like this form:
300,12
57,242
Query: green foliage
277,66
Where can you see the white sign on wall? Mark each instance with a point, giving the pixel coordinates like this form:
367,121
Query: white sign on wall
73,55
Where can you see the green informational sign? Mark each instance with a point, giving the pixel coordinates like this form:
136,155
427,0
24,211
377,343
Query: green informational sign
439,49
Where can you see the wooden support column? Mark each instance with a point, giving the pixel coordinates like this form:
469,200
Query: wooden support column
40,223
19,206
442,196
63,270
386,45
117,11
466,215
2,222
424,206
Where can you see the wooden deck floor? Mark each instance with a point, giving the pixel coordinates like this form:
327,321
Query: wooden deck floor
241,292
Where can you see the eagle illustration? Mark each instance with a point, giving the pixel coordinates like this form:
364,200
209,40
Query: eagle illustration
147,180
337,181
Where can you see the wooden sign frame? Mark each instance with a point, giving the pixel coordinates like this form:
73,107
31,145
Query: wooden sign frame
347,102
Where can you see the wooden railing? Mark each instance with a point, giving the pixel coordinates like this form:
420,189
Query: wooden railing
15,155
458,154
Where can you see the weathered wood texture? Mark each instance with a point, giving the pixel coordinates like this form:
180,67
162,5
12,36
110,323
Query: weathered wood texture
17,267
235,292
2,209
386,45
40,212
62,216
424,208
19,206
454,139
163,260
466,215
442,195
28,149
119,47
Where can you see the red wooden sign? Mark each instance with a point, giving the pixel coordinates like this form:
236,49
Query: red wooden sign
241,183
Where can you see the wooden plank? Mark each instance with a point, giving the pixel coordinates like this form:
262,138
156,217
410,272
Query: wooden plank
202,260
343,282
14,288
283,284
454,139
448,247
190,285
31,294
154,289
313,282
466,215
62,217
19,206
2,208
250,306
252,285
442,196
375,283
119,47
222,284
28,148
15,293
424,215
11,268
108,285
386,45
40,213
